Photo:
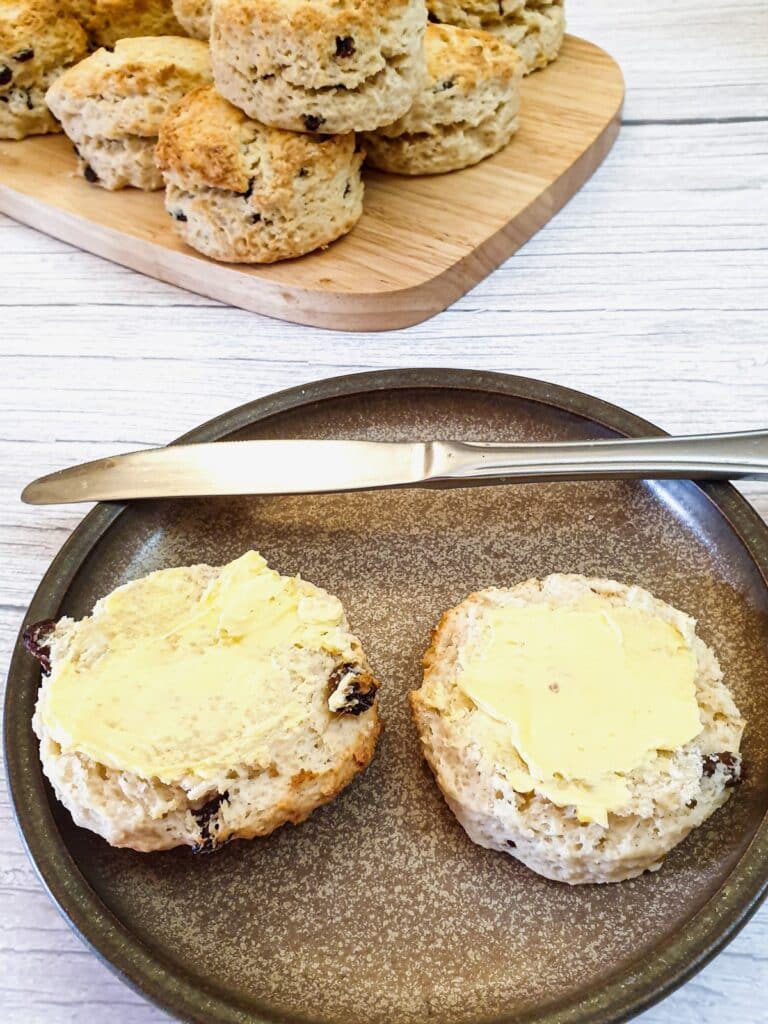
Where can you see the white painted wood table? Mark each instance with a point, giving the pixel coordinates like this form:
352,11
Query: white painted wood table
650,289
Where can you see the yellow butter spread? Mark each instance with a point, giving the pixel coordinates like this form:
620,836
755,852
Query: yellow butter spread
587,694
177,682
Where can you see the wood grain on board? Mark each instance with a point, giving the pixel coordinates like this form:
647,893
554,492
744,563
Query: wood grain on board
421,244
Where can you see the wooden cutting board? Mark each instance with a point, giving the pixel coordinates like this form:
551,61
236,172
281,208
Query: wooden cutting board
421,243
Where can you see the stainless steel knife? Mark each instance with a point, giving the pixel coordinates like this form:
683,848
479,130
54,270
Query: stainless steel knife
309,466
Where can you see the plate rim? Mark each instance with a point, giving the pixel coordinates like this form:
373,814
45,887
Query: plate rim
626,993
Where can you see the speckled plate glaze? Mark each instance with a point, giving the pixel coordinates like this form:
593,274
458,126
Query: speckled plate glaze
379,909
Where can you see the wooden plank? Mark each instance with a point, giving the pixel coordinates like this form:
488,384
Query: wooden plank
422,242
684,60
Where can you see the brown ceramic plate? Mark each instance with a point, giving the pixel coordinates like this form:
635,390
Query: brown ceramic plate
379,909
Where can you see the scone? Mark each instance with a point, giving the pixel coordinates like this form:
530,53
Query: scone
199,705
537,33
241,192
194,16
112,104
535,28
579,725
319,65
106,21
37,42
467,110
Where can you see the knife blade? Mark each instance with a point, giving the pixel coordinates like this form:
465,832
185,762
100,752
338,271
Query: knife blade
313,466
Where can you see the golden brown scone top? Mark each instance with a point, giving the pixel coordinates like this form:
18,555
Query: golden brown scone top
106,21
312,17
38,26
208,143
138,66
465,57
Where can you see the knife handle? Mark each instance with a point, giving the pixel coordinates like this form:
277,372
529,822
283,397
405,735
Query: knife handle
741,455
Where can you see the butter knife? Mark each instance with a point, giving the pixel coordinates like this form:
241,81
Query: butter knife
310,466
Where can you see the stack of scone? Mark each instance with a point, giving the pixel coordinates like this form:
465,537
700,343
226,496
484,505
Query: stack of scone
40,39
265,166
534,27
257,115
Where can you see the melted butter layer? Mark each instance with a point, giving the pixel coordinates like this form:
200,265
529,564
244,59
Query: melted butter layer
588,694
173,682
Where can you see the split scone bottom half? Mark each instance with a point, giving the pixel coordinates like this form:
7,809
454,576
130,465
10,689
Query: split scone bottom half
112,104
319,65
536,28
467,109
200,704
241,192
579,725
106,21
37,43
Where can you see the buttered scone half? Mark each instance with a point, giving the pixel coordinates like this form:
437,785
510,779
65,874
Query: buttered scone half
467,110
242,192
319,65
536,28
112,104
37,43
106,21
194,16
201,704
579,725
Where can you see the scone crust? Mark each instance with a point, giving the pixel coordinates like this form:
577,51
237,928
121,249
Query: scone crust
37,42
330,66
194,16
203,143
479,13
240,191
119,163
537,34
111,105
535,28
106,21
305,771
467,110
668,798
